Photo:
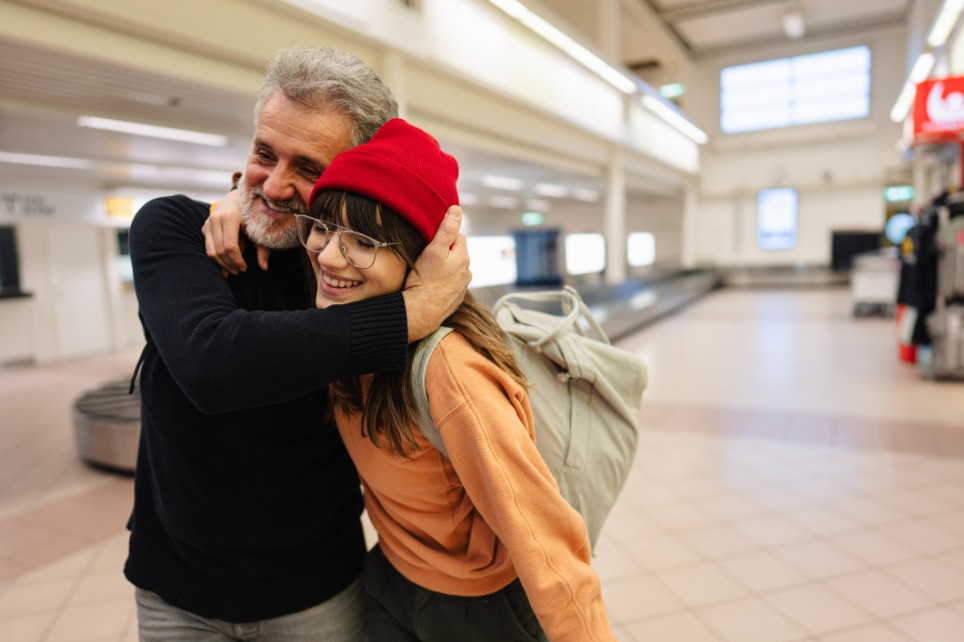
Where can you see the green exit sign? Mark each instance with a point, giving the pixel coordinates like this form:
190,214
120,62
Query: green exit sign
899,194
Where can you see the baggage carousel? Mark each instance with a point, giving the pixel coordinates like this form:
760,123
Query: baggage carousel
107,419
107,426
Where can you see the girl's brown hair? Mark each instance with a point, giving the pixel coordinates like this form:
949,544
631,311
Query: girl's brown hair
387,414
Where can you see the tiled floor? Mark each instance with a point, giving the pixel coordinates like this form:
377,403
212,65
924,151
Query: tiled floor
794,482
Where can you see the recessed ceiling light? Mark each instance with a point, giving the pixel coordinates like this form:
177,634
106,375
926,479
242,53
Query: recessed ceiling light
44,161
502,182
504,202
548,189
573,49
945,22
153,131
588,195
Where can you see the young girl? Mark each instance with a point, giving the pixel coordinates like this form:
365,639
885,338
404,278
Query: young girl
466,544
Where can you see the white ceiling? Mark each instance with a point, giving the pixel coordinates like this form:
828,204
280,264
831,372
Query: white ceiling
705,26
43,92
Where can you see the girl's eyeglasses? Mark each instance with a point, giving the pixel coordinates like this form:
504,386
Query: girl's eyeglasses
359,250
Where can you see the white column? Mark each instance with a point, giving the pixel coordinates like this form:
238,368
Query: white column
393,75
616,218
608,29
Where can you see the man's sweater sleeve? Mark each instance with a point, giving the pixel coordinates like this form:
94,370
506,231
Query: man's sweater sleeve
225,358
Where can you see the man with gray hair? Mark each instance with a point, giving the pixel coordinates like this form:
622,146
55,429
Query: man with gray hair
246,512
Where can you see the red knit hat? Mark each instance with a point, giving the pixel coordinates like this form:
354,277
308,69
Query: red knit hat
401,167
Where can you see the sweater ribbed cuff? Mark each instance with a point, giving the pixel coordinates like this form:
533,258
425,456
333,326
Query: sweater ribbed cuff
379,334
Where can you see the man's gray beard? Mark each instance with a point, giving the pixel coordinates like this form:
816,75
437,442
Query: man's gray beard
264,230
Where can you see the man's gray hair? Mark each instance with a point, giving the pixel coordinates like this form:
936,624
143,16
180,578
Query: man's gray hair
327,78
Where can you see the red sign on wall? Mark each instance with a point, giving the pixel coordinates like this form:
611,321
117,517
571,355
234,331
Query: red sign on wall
939,110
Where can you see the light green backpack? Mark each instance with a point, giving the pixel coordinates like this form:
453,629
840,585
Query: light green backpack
585,397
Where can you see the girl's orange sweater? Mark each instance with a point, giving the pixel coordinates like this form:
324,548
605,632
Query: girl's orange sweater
472,524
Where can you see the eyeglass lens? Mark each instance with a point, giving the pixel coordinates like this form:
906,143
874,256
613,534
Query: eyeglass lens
358,249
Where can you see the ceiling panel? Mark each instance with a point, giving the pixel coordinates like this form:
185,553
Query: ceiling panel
736,26
43,92
706,25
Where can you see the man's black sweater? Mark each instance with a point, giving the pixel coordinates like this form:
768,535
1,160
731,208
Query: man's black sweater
246,504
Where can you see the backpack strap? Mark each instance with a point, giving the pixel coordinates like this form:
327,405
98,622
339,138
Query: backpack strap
148,348
573,309
423,351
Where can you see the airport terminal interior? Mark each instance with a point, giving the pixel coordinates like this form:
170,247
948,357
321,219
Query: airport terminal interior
763,199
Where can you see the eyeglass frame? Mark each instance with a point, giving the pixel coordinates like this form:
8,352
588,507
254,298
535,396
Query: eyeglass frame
339,230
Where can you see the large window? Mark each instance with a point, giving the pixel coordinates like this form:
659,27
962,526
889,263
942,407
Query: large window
832,85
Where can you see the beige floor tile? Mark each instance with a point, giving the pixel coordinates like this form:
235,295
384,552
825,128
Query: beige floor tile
772,531
632,599
919,500
958,606
942,624
97,621
878,593
954,558
777,499
952,520
817,610
629,524
71,566
930,577
98,587
644,495
699,488
821,492
677,626
91,521
822,521
731,438
874,547
865,510
25,628
950,490
701,585
788,473
621,635
762,571
749,621
34,597
16,534
924,536
717,541
11,569
661,552
112,554
680,516
869,633
915,470
612,562
731,507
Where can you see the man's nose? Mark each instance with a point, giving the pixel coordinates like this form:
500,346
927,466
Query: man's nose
278,186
